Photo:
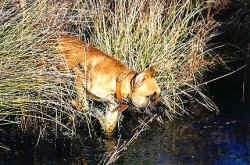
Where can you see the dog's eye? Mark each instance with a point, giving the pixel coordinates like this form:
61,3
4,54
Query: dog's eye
152,96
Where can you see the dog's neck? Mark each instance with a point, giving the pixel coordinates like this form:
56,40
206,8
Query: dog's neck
124,85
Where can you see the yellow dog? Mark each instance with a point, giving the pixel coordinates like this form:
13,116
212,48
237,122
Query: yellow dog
108,80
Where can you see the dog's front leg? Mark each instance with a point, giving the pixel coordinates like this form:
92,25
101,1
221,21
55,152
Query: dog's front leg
112,115
110,118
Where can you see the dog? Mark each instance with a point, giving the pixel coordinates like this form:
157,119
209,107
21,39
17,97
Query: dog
107,80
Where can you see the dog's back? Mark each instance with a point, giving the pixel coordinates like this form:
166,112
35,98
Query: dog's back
102,70
76,52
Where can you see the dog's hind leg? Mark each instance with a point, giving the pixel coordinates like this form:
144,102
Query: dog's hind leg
80,80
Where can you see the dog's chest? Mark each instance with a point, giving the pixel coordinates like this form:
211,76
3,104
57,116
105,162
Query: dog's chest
102,87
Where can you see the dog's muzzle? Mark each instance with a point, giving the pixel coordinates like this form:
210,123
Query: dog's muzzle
154,106
156,110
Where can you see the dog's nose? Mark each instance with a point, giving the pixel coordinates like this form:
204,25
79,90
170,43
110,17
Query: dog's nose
155,99
157,108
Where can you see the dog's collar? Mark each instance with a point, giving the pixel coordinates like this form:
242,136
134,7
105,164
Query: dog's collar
119,80
132,82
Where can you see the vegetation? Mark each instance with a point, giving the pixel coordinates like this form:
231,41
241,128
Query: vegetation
169,35
31,91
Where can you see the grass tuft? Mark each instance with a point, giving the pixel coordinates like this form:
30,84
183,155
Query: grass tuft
171,36
32,89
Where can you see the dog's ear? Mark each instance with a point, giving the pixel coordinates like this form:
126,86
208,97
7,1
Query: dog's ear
140,77
151,71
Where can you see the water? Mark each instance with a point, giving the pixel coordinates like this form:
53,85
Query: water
212,140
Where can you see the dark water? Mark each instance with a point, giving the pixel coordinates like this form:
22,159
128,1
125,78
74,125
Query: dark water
214,140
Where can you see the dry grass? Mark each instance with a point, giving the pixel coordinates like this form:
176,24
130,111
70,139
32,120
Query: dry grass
32,89
169,35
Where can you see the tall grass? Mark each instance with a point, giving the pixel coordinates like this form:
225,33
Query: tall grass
169,35
33,91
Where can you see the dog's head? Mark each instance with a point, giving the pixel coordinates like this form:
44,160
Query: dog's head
145,90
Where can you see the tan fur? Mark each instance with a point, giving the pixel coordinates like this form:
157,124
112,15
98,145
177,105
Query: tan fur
106,78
